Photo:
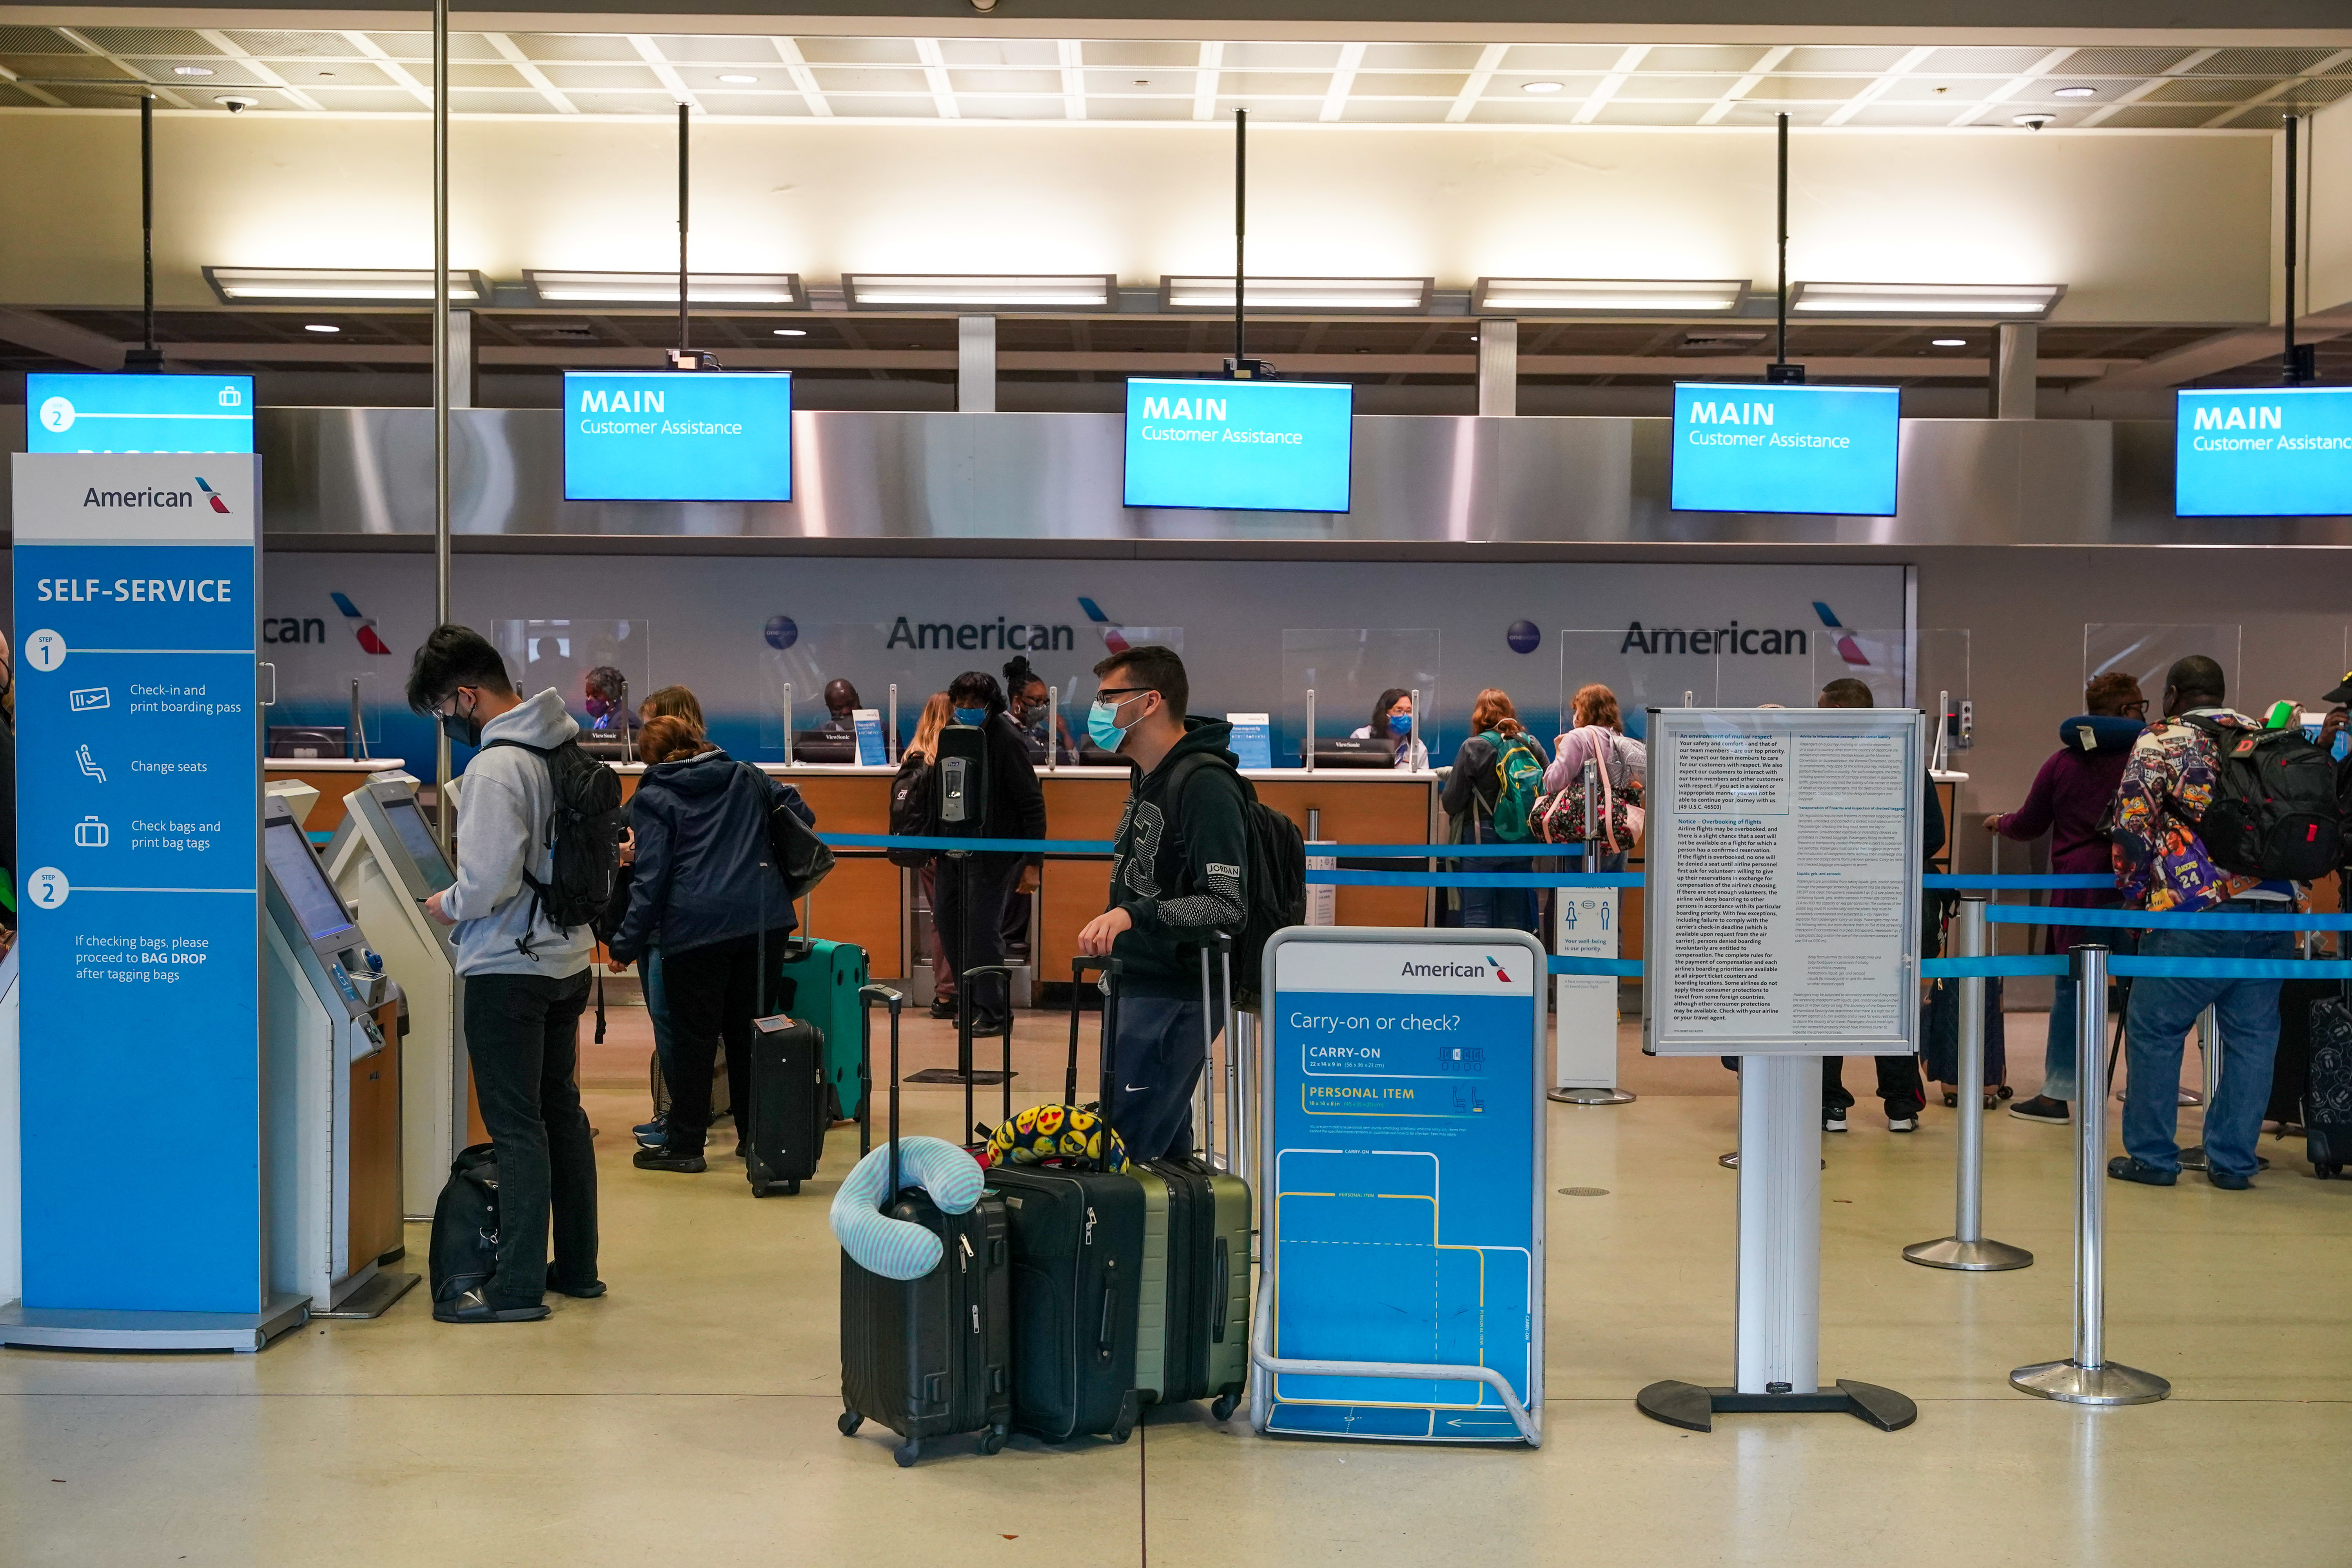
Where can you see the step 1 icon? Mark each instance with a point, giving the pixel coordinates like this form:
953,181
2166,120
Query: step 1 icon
89,833
45,650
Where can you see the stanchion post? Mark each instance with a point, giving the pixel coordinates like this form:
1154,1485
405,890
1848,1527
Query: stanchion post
2089,1377
1605,1093
891,735
1965,1248
1310,728
788,723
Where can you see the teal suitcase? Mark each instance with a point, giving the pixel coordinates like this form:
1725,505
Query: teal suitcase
821,981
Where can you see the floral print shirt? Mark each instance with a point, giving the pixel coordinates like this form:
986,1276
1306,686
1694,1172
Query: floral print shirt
2160,863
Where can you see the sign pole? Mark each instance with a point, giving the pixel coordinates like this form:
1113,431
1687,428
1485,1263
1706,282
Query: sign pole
1584,925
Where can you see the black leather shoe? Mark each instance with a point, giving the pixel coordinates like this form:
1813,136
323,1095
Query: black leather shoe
2125,1168
588,1293
665,1159
2229,1181
471,1308
942,1006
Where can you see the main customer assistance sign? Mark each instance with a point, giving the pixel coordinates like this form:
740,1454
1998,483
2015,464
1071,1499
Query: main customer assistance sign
678,435
2281,451
1822,450
1239,446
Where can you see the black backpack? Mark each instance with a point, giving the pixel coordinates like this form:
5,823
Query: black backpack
584,830
464,1252
1273,883
2274,812
914,808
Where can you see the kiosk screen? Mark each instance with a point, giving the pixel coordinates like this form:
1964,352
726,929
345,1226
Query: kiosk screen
306,887
416,837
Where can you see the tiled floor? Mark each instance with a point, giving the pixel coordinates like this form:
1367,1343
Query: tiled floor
689,1415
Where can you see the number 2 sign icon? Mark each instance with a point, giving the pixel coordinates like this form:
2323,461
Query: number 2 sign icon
48,887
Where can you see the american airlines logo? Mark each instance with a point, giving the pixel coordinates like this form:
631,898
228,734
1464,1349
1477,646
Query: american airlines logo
362,626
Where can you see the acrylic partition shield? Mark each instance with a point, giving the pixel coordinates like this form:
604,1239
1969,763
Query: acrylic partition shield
563,651
1402,1198
2146,651
1901,669
1348,669
1782,908
138,821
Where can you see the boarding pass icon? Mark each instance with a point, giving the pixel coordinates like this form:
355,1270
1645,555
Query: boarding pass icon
87,700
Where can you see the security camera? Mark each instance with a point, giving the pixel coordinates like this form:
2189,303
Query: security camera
2034,121
235,103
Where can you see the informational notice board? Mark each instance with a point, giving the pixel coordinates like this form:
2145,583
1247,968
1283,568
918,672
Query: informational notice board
138,832
1403,1194
1782,898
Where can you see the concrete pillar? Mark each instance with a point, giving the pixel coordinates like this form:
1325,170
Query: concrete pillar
1498,367
976,364
461,359
2016,360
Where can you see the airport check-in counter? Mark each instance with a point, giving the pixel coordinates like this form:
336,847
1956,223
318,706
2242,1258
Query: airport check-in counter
332,777
332,1087
870,901
385,862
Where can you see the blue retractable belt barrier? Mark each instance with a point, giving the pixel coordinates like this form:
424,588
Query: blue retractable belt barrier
2231,968
1104,847
1316,876
1973,968
1631,966
2151,920
1447,851
2023,881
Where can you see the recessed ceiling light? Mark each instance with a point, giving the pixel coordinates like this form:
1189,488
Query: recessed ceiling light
791,333
319,327
1951,342
192,70
739,80
2077,92
1540,87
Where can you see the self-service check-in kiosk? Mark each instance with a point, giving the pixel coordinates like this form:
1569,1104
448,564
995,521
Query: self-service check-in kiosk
332,1088
385,861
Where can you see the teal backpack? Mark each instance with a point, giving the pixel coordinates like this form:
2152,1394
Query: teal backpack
1518,779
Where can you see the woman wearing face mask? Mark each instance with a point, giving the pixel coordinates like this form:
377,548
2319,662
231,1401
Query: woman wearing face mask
607,700
1032,707
1392,720
972,892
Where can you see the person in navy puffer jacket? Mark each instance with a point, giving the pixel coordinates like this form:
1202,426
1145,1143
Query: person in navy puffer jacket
704,886
2071,801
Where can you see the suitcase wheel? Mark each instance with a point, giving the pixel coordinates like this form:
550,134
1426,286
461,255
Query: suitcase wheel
907,1452
849,1423
2327,1172
1226,1404
993,1440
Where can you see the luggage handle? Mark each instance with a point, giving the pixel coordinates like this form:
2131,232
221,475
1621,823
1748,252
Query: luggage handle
1078,967
867,996
1106,1342
1224,1285
963,1021
1112,971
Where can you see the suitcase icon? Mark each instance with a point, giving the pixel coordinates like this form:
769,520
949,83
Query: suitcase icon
89,833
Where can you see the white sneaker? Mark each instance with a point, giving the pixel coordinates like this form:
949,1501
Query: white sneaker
1832,1120
1902,1124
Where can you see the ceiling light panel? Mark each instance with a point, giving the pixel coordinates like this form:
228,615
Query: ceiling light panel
2005,301
1375,296
338,285
777,290
979,291
1607,296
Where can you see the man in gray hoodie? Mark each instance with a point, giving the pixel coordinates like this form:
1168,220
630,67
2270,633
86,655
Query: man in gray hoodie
526,978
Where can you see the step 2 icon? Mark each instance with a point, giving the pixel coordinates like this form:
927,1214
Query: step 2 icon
89,833
48,887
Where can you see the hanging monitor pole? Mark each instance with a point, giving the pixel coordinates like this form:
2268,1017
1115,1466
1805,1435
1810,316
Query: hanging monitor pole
2301,361
445,821
684,356
1781,373
147,358
1240,367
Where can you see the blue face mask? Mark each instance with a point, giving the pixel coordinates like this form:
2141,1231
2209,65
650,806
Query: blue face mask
1102,725
975,717
1400,725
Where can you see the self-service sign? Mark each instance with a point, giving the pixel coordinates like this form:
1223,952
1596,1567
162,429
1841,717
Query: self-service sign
1402,1182
137,806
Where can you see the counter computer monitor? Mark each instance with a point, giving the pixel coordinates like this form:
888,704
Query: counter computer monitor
1240,446
678,435
1818,450
326,924
2278,451
416,835
301,742
824,746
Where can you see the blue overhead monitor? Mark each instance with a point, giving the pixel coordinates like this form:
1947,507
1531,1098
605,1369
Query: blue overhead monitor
2284,451
1818,449
97,411
1239,446
696,435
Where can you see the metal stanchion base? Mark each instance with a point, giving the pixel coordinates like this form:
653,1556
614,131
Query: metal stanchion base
949,1075
1969,1256
1692,1407
372,1299
1591,1096
2194,1159
2071,1384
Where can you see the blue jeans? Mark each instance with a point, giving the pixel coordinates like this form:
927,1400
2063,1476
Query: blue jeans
649,970
2058,1056
1506,909
2159,1016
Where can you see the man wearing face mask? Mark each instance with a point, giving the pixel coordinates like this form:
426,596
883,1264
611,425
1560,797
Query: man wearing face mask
1175,881
525,977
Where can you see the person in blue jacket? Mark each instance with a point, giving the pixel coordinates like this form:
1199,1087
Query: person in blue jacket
705,887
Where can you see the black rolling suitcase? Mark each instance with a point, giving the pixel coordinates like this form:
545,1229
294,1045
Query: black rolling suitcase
930,1357
2327,1090
784,1134
2291,1069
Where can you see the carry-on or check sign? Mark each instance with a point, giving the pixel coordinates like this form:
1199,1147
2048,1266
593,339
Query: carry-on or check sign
783,1127
820,981
933,1356
1192,1305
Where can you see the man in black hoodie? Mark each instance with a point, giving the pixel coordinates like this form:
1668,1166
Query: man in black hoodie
1176,872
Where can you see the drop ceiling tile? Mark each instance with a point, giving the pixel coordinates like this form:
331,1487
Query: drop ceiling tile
1140,80
405,46
981,106
1028,81
2260,62
1032,52
134,41
568,76
1283,57
1269,83
1552,58
491,100
1138,52
2130,61
1422,56
708,49
2153,117
1842,58
1410,84
374,100
547,45
2214,90
860,51
1736,59
790,105
884,107
1981,62
1701,89
1956,91
1109,108
855,78
1624,111
1806,89
657,101
1270,108
272,46
37,41
1396,111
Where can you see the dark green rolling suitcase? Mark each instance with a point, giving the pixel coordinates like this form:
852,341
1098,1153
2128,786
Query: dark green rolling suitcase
820,981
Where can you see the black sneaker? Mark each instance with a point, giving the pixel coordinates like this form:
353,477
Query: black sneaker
588,1293
2229,1181
1833,1119
471,1308
942,1006
2125,1168
683,1162
2042,1108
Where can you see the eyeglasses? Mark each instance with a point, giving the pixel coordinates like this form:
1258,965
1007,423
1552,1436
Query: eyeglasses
2134,710
1123,691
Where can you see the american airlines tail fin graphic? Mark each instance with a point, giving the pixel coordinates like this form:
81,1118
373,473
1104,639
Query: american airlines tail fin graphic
362,626
1111,635
1848,649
